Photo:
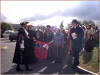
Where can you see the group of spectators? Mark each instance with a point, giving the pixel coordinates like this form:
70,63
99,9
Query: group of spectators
60,43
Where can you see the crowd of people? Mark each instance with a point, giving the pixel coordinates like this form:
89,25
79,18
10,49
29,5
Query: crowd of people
58,42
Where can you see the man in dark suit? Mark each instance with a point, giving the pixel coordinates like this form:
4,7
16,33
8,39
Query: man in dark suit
76,35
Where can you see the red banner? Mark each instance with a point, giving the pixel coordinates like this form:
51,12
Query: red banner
41,50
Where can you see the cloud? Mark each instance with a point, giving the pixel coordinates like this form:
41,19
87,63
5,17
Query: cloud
40,17
86,9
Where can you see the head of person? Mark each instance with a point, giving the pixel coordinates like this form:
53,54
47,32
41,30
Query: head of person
38,27
74,22
57,30
30,27
83,27
94,27
24,24
88,26
48,27
62,28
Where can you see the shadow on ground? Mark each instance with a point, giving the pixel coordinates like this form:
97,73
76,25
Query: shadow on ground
48,67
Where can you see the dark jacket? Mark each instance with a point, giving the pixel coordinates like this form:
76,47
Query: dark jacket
77,43
32,34
48,36
26,56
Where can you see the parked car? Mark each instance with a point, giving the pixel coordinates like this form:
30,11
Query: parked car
7,33
13,36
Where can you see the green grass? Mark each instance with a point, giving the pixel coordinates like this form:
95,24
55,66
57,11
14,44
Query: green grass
91,61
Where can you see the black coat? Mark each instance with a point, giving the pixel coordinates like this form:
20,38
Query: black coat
26,56
77,43
32,34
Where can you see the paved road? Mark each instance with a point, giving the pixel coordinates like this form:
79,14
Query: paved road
45,67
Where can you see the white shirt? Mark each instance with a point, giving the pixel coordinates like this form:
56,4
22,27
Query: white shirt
25,31
22,44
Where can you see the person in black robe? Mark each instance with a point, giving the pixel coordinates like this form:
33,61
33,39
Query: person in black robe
32,35
22,51
76,34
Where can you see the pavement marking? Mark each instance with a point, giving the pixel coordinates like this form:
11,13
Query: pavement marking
88,71
65,66
33,74
43,69
53,62
55,74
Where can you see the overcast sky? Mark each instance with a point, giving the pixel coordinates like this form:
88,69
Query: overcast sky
48,12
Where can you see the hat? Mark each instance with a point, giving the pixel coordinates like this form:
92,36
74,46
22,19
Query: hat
74,21
23,23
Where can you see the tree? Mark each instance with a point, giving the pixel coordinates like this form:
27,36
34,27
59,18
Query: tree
85,22
80,23
5,26
89,22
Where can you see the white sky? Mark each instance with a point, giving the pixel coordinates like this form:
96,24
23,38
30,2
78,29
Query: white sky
15,11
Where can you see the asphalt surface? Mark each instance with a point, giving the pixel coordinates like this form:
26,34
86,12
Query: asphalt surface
44,67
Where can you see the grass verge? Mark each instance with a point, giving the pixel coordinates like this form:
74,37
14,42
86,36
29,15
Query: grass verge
90,60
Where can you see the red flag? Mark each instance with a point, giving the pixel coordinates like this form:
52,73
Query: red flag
41,50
